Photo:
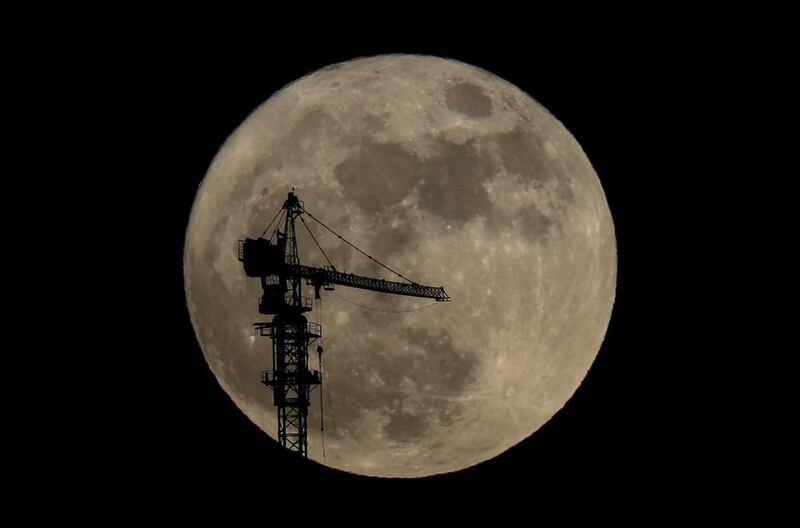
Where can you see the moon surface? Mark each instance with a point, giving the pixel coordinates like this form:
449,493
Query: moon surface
453,177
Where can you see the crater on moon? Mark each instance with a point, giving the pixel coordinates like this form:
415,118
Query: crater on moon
468,99
453,177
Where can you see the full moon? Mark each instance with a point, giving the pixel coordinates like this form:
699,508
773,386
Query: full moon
453,177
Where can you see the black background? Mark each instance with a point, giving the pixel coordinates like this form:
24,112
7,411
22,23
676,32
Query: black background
634,432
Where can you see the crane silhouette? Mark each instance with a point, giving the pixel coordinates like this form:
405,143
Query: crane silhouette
277,265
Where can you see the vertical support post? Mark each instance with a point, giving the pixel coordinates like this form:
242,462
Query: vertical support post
291,380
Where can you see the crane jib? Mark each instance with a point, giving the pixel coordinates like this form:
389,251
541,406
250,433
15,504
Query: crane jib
324,276
263,259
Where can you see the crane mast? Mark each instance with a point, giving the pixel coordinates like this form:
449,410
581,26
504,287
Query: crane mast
278,267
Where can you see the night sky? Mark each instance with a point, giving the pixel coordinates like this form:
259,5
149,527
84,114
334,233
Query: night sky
629,430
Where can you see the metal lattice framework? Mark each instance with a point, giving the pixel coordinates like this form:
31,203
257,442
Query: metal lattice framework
291,380
278,267
330,276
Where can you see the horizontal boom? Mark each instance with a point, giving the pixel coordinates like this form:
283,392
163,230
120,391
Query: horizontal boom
263,259
323,276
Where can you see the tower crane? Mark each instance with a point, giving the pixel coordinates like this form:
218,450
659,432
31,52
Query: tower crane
277,265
